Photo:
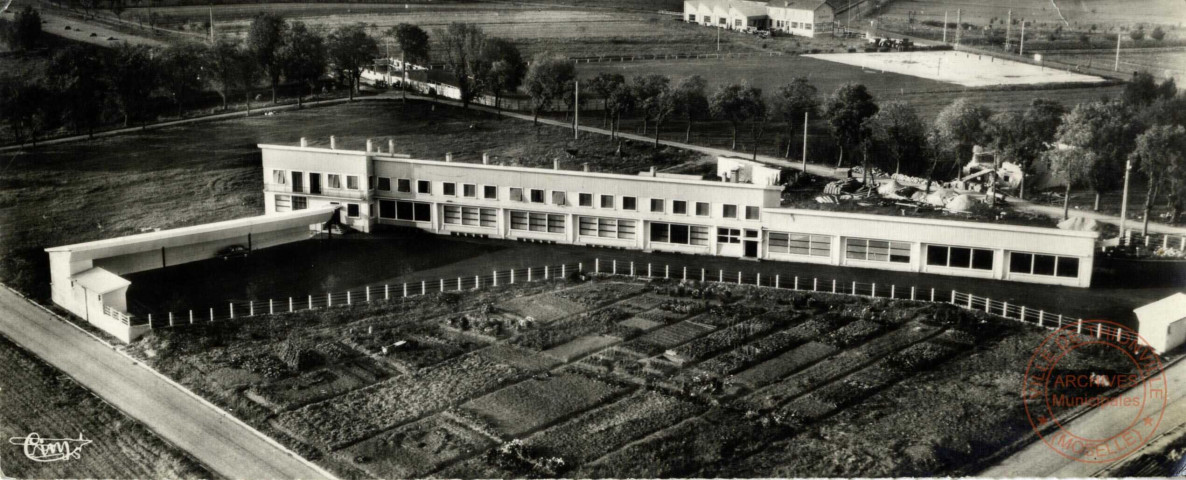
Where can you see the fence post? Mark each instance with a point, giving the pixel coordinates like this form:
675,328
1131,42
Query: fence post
833,285
1041,317
458,284
815,284
1119,331
424,287
563,271
329,300
581,267
495,276
854,287
211,314
150,321
953,297
932,295
758,282
310,302
512,276
386,292
1060,320
1023,313
722,277
971,298
649,271
477,282
170,319
685,274
191,317
289,304
251,308
271,309
912,292
405,290
739,277
987,305
442,282
702,273
667,271
1005,310
348,302
631,269
874,290
614,266
778,281
546,273
232,309
368,294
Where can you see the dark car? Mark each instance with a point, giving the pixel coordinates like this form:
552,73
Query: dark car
233,251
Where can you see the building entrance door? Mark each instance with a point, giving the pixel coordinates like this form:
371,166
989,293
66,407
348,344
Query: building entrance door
751,249
315,183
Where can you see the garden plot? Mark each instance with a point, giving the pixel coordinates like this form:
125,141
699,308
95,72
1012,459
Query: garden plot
608,428
361,413
641,324
840,364
423,344
960,68
664,338
581,347
596,294
603,322
643,302
518,357
720,340
778,367
544,308
763,348
317,385
415,449
536,403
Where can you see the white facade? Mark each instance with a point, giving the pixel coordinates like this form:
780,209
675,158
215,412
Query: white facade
656,212
1162,324
809,18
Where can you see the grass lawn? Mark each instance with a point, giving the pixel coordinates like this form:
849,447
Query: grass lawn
35,397
456,415
75,192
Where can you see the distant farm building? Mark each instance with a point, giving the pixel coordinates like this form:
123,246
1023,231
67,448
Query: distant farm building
808,18
1162,324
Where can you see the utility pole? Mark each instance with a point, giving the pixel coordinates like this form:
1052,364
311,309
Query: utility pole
1117,67
805,114
1008,29
1021,50
576,112
959,28
945,26
1124,199
211,24
718,39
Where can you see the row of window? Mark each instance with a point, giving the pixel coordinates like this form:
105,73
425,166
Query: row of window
472,216
1049,265
332,180
800,244
537,221
787,24
959,257
606,227
679,233
560,198
404,210
877,250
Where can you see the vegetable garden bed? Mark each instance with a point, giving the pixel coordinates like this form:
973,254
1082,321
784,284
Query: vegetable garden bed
536,403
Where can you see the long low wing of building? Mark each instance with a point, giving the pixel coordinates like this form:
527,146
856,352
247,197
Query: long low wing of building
807,18
85,277
740,217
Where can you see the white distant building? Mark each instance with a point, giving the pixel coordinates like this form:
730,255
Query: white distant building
808,18
1163,323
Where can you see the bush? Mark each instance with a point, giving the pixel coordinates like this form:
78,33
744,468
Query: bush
1158,34
1138,34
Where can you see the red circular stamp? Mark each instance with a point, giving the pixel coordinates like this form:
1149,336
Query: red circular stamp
1094,393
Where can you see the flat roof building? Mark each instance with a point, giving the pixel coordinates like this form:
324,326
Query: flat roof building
741,217
808,18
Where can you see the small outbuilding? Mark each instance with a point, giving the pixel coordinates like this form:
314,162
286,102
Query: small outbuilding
1162,324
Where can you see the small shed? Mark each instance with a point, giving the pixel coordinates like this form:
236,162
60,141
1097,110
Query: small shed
1163,323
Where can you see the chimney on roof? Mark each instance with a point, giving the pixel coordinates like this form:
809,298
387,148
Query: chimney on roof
370,145
391,146
485,158
333,142
555,164
585,166
304,142
448,156
653,173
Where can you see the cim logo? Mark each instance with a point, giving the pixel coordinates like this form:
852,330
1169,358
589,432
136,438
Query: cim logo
47,450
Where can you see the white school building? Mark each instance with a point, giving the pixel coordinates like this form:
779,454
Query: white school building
808,18
739,217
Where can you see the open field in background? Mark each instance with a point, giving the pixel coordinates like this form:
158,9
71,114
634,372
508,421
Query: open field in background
1161,63
61,194
1082,12
36,398
688,381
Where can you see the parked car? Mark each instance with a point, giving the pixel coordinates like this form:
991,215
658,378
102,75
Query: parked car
233,251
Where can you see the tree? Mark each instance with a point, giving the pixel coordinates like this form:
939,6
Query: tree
756,112
1160,154
846,111
303,56
692,102
792,102
222,64
620,101
462,45
1022,138
961,126
546,80
1141,90
75,72
265,38
603,85
898,130
413,47
505,69
1157,34
24,106
117,7
653,94
1097,138
131,78
1137,34
351,49
247,73
181,69
1168,89
23,32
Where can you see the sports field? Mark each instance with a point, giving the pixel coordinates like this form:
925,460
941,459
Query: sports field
960,68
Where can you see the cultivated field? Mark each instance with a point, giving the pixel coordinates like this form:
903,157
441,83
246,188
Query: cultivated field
960,68
36,398
1161,63
1081,12
61,194
659,380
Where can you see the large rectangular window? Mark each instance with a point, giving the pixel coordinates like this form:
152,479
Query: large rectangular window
352,210
607,201
1048,265
386,209
729,211
751,213
517,194
959,257
298,182
657,205
537,196
537,222
877,250
702,209
558,198
413,211
424,186
384,184
333,180
352,182
469,190
278,177
403,185
585,199
679,234
728,235
300,203
449,188
679,207
472,216
490,192
629,203
800,244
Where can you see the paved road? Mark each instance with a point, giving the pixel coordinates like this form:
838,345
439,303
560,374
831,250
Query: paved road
224,445
1039,460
